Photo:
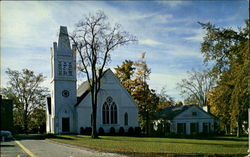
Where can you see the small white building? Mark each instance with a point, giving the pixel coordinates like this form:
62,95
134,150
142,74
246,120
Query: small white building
69,109
184,120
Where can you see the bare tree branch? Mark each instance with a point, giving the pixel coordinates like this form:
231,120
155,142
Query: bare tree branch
95,39
196,86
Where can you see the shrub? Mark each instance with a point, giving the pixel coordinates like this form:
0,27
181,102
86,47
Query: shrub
101,131
137,131
130,131
18,129
112,131
81,130
88,131
222,133
121,131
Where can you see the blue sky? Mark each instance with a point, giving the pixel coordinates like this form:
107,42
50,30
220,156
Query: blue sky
167,31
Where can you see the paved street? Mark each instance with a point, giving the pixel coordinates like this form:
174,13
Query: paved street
45,148
11,149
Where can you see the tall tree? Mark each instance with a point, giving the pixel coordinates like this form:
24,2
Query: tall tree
196,86
94,39
125,73
220,107
165,100
27,93
145,97
228,51
37,120
134,76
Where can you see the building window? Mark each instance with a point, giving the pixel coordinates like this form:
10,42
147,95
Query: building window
194,113
70,69
194,128
64,68
60,68
126,119
113,113
105,113
181,128
109,112
206,128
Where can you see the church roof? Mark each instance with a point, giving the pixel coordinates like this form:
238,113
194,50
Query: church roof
84,89
82,92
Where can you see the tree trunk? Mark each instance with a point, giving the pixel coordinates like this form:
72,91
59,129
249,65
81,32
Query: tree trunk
94,133
147,123
94,109
227,129
239,126
25,119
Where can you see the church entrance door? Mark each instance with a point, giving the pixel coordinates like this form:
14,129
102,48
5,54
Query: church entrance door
65,124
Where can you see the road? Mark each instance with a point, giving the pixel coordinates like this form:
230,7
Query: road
47,148
12,149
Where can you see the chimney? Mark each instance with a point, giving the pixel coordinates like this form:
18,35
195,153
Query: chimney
206,108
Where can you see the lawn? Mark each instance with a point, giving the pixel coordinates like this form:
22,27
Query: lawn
141,146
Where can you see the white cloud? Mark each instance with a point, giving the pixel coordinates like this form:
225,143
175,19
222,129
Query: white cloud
197,37
149,42
37,62
181,50
169,80
162,18
173,4
27,32
34,24
23,23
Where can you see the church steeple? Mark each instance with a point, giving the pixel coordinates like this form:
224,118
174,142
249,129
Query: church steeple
63,42
63,86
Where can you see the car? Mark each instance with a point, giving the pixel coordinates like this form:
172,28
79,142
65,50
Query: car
5,135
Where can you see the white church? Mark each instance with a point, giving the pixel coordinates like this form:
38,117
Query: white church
69,109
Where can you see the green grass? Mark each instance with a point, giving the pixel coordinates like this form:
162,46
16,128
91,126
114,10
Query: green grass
153,145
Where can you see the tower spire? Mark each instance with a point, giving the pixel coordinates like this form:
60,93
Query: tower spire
63,42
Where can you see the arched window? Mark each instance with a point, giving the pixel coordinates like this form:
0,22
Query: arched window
113,113
126,118
109,112
105,113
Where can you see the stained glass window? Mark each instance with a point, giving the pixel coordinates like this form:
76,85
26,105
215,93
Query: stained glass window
109,112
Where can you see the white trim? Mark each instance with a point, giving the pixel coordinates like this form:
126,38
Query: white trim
178,117
123,88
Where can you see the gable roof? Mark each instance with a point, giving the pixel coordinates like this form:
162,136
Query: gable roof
172,111
84,89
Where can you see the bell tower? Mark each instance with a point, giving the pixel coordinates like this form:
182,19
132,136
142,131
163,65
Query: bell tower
61,118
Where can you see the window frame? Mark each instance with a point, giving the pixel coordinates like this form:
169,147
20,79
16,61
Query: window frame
109,111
